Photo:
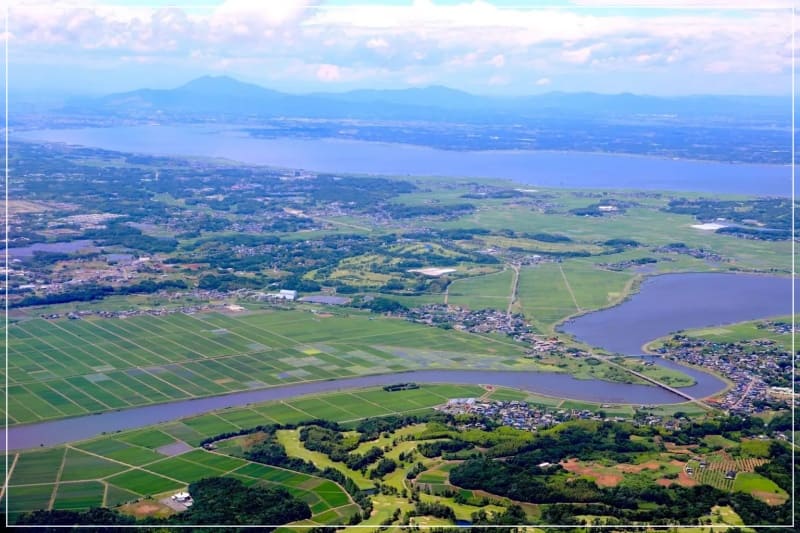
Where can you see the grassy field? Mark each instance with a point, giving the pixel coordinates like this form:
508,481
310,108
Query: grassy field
745,331
665,375
291,441
62,368
550,292
491,291
760,487
133,465
645,223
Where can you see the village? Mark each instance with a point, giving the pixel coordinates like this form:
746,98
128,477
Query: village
490,321
516,414
524,416
760,370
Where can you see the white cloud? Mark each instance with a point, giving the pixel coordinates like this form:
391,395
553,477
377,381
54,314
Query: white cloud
328,73
542,82
579,56
377,43
692,4
459,40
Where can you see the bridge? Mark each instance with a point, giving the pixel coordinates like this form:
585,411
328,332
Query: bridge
657,383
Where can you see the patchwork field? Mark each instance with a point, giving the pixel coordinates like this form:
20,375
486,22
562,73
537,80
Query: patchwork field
62,368
133,465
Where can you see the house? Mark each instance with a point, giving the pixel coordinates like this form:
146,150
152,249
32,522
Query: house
730,474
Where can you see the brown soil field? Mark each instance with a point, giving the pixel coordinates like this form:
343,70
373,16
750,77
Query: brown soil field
602,476
769,497
685,481
251,440
649,465
146,508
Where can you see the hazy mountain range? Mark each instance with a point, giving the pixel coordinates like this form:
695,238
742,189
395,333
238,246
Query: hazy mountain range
222,95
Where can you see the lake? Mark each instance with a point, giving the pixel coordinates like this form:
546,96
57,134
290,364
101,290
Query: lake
67,247
546,169
671,302
664,304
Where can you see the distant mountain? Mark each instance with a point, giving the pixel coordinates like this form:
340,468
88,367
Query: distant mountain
435,96
228,97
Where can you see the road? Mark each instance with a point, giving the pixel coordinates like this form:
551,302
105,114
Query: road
655,382
514,288
569,288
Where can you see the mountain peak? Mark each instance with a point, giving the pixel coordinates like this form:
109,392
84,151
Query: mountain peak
218,84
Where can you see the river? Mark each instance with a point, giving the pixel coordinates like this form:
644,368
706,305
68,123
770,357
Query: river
664,304
541,168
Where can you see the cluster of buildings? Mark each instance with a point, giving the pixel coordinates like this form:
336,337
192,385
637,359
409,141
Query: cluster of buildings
157,311
697,253
779,327
105,269
516,414
461,318
757,368
487,321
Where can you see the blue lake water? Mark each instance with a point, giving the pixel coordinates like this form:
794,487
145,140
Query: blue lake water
667,303
546,169
67,247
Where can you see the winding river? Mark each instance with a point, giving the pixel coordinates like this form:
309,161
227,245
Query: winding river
663,305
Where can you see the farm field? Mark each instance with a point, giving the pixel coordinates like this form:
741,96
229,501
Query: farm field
719,464
63,368
132,465
645,224
491,291
550,292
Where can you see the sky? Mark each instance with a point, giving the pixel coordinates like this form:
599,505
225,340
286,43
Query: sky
500,47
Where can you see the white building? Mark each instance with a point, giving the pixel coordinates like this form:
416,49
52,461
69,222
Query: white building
283,295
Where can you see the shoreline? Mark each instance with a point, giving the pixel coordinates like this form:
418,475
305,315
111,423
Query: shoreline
320,394
215,128
62,430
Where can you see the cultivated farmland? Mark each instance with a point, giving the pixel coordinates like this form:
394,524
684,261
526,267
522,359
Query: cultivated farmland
159,460
63,368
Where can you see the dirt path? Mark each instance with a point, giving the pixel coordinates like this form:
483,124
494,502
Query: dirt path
514,288
569,288
58,480
8,475
339,223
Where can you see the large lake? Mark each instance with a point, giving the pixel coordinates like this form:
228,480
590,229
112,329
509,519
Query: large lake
668,303
664,304
546,169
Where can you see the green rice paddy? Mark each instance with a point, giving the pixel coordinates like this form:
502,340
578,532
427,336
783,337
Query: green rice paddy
127,466
62,368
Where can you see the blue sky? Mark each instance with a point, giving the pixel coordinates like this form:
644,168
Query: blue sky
485,47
